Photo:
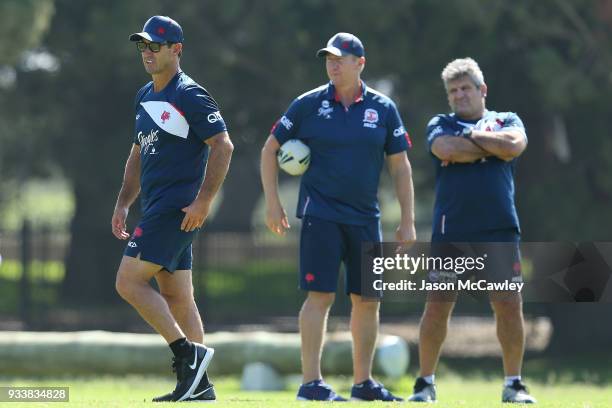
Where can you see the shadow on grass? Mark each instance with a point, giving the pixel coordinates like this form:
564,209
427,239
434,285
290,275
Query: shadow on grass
592,369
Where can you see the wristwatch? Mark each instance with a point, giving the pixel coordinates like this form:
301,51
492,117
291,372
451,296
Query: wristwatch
467,132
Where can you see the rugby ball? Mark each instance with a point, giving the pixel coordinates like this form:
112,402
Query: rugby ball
293,157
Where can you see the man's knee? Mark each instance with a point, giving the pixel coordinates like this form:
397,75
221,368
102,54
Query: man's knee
131,275
319,300
437,313
507,310
360,305
183,299
123,285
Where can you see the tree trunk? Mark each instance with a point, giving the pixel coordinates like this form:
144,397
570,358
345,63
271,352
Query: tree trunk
94,253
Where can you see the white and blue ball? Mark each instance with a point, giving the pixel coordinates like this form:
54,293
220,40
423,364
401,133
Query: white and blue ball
294,157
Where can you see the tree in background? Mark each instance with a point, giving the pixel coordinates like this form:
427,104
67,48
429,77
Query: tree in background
548,60
24,24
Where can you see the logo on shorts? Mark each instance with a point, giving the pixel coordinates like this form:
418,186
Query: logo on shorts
370,117
309,277
132,244
137,232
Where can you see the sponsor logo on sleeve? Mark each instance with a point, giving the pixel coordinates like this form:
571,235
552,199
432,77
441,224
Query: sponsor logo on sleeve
399,131
214,117
435,131
286,123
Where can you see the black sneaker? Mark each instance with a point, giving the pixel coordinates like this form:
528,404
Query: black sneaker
204,392
423,391
517,393
370,390
317,390
189,371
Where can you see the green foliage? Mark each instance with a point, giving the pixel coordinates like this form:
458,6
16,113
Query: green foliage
233,291
546,60
24,22
49,272
43,202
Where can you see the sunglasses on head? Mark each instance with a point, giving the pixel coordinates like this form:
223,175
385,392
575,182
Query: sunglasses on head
153,46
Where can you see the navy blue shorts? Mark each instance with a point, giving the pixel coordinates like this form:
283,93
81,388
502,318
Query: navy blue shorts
158,239
499,247
324,245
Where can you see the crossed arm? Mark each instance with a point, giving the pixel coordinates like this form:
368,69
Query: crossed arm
505,144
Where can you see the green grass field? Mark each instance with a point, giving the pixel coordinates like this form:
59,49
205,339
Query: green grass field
136,391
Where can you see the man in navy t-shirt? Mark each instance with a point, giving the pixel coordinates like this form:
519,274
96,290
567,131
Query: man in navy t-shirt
474,151
179,158
351,130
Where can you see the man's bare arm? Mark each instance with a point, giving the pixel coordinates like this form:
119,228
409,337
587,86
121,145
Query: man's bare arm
505,144
130,188
221,149
276,217
455,149
401,172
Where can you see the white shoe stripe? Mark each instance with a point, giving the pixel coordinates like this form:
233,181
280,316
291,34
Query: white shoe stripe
205,362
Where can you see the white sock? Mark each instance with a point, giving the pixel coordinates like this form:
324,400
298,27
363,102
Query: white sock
429,379
509,379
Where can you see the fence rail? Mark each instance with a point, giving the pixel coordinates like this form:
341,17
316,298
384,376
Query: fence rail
239,278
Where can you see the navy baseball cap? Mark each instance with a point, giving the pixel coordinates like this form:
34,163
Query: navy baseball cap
160,29
343,44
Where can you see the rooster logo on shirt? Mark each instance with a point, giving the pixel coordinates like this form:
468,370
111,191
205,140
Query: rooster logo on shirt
165,116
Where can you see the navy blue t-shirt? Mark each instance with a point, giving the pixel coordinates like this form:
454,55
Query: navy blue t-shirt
478,196
171,127
348,148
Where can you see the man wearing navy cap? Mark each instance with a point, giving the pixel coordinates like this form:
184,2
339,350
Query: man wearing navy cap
474,151
351,129
179,158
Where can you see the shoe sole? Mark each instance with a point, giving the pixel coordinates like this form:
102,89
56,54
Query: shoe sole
429,401
312,400
197,399
210,352
355,399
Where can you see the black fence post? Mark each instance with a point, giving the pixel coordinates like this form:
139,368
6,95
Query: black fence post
25,289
